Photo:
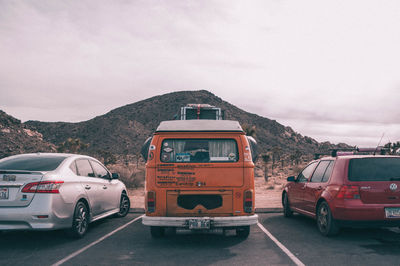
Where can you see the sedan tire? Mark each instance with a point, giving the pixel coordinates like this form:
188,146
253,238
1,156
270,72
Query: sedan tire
326,224
124,206
80,222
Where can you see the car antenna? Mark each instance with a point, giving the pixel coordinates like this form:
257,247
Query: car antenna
379,143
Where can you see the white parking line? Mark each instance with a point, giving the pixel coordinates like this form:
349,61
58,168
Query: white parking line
76,253
281,246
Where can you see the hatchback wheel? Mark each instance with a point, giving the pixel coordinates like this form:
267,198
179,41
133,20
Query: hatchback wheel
243,231
80,221
124,206
287,212
157,231
326,224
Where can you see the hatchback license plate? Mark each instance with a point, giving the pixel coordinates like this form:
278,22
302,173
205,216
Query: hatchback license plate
392,212
3,193
199,224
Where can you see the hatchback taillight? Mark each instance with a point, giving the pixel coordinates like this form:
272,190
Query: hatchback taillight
43,187
248,201
151,201
348,192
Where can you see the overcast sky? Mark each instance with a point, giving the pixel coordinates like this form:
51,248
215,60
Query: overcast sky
328,69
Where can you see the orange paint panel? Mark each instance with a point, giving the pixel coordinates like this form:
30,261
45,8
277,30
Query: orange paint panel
200,189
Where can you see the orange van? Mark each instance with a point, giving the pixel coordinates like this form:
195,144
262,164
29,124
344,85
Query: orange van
199,176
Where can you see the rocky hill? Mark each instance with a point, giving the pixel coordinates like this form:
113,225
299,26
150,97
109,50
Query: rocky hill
16,138
123,130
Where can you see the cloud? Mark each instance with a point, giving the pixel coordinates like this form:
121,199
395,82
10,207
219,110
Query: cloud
312,65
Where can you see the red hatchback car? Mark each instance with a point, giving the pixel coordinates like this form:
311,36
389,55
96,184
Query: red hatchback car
353,190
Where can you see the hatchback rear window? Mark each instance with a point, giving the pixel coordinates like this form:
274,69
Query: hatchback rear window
199,150
32,163
374,169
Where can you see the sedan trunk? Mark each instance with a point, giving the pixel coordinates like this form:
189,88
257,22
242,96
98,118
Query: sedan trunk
11,185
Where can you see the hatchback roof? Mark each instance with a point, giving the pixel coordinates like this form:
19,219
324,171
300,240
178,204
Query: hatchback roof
357,156
199,125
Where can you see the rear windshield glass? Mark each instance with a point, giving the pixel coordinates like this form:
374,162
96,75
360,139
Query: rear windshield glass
199,150
374,169
32,163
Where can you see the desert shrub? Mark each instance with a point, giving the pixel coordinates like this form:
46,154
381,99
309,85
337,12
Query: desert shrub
129,174
296,170
137,179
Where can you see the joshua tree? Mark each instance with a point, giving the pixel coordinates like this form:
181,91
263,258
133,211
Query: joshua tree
296,157
108,157
265,157
72,145
276,156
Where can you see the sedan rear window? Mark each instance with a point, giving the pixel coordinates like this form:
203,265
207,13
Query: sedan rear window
199,150
374,169
32,163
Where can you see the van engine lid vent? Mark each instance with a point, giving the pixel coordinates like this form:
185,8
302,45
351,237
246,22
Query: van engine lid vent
189,202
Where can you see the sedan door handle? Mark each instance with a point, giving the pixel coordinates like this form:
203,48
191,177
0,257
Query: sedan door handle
105,187
319,188
87,187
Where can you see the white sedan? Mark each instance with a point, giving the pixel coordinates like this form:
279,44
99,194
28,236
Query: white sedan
46,191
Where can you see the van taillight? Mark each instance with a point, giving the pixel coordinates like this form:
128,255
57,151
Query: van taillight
348,192
248,201
43,187
151,201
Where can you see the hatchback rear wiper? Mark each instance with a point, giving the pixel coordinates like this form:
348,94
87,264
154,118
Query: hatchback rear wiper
395,179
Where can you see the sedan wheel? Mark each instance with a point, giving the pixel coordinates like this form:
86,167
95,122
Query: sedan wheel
287,212
124,206
326,224
80,221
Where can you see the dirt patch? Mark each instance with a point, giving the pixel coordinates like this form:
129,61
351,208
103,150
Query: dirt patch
137,197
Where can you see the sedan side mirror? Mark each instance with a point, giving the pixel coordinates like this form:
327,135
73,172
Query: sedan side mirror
115,176
291,179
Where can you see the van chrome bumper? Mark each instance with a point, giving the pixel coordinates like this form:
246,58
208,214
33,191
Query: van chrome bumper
231,221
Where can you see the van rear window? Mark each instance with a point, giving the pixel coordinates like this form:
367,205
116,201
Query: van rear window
374,169
199,150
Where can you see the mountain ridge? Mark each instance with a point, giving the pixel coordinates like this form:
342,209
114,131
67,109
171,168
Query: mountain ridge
124,129
16,138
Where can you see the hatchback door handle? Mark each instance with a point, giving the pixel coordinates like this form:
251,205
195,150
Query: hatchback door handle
87,187
319,188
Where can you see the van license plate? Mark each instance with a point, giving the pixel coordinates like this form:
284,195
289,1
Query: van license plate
3,193
199,224
392,212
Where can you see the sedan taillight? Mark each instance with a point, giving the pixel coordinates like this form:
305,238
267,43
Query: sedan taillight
43,187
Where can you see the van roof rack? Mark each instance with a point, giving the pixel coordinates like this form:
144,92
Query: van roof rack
352,151
201,125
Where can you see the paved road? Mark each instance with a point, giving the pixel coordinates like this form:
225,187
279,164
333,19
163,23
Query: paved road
133,245
351,247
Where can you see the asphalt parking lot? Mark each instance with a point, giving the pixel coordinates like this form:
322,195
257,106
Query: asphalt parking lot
275,241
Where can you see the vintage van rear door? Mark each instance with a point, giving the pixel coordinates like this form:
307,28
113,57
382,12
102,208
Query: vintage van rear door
200,162
200,172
